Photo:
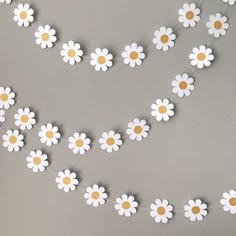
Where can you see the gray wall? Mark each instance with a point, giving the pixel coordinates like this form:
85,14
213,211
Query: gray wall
192,156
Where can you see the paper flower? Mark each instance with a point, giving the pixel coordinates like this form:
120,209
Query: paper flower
23,15
230,2
13,140
67,181
164,38
6,1
37,161
49,134
217,25
95,195
195,210
25,118
71,52
126,205
110,141
183,85
6,98
2,117
201,57
133,55
45,36
101,59
161,211
189,15
162,109
229,201
79,143
138,129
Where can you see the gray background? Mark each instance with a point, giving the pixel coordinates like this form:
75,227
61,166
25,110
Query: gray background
192,156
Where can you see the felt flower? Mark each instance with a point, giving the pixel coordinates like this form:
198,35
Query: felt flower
101,59
162,109
23,15
189,15
13,140
126,205
201,57
25,118
6,1
229,201
95,195
133,55
71,52
195,210
45,36
217,25
230,2
164,38
2,117
6,98
37,161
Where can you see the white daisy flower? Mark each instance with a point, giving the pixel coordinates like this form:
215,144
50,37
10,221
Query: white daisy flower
6,98
25,118
79,143
183,85
201,57
71,52
189,15
23,15
229,201
230,2
138,129
45,36
161,211
110,141
162,109
13,140
67,180
217,25
126,205
195,210
133,55
101,59
37,161
164,38
95,195
6,1
49,134
2,117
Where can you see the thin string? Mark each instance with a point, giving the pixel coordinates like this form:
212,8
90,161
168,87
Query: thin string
109,199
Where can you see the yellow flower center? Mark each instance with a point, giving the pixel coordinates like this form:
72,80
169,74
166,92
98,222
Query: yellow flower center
95,195
162,109
71,53
138,129
189,15
66,180
45,36
4,97
37,161
79,143
183,85
196,210
49,134
232,201
12,139
110,141
24,118
164,38
133,55
201,56
161,211
126,205
218,25
101,60
23,15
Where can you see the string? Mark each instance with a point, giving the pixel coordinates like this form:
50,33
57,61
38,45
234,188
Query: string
109,199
